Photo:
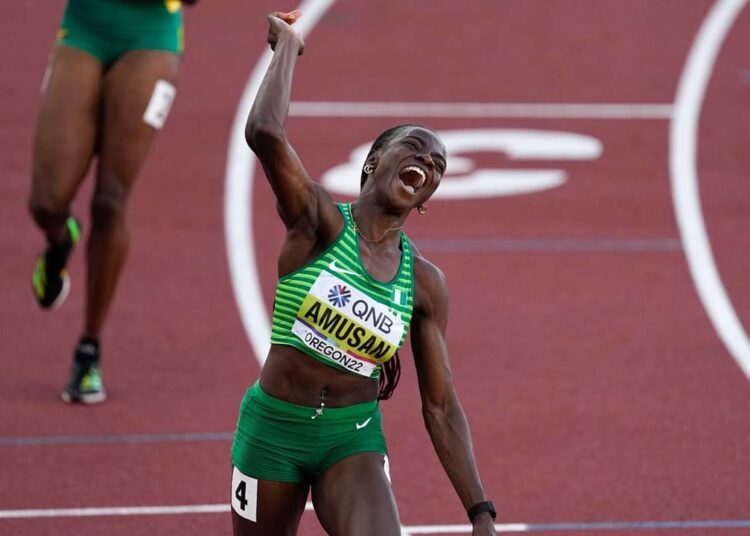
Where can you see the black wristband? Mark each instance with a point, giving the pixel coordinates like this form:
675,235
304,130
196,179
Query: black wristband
478,508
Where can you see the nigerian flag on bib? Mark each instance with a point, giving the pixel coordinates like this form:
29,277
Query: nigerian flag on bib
399,297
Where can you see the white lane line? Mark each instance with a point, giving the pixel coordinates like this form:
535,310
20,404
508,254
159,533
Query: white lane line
120,511
586,527
684,177
481,110
114,511
238,188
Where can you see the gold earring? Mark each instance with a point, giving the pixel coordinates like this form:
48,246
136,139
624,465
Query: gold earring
368,169
422,209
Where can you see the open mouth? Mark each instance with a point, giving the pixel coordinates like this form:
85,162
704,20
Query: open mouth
412,178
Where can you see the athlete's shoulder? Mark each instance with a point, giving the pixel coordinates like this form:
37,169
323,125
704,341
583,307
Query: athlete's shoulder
426,269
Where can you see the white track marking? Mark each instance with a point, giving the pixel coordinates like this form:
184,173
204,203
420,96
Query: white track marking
579,527
481,109
463,179
115,511
238,188
684,176
121,511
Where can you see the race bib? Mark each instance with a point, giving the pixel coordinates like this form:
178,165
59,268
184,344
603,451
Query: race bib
346,326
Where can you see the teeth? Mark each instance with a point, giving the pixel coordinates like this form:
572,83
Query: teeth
419,171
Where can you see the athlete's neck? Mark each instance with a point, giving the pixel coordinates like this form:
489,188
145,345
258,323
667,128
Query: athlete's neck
375,225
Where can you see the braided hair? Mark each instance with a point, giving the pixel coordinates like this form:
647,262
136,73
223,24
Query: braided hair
390,372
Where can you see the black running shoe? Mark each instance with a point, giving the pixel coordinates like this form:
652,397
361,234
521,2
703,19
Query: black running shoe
50,281
85,385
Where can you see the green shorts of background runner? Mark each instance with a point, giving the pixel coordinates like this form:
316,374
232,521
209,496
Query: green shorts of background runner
280,441
107,29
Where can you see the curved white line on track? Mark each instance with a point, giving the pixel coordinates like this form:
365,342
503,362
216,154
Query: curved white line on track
684,177
238,189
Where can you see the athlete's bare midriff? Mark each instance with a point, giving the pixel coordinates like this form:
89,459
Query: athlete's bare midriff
290,375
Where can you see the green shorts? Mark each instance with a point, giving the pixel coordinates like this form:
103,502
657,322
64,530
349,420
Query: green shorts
277,440
107,29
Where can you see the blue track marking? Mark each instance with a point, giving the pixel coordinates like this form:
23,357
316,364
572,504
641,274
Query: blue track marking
188,437
551,244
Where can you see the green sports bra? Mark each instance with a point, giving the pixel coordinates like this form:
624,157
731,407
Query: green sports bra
333,310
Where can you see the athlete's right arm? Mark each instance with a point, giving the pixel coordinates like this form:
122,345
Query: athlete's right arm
265,130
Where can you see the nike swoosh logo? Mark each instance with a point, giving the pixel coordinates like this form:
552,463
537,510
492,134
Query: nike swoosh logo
363,424
340,270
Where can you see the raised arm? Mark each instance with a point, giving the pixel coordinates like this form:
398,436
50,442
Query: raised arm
443,415
265,130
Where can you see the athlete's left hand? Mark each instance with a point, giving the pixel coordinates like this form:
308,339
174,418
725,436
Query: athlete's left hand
483,526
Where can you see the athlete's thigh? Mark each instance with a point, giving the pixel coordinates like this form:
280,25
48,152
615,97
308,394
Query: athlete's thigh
138,91
354,496
66,127
266,508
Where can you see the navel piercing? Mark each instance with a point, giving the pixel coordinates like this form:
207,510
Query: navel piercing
319,410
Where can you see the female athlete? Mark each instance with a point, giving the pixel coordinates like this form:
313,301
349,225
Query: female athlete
108,89
350,287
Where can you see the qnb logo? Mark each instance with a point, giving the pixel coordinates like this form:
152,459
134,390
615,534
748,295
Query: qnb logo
464,179
339,295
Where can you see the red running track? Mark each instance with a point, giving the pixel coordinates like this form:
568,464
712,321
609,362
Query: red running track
596,387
